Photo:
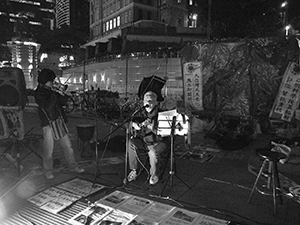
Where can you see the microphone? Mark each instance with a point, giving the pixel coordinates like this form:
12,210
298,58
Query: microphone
140,109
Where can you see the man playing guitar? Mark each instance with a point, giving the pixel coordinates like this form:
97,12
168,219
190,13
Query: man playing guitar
146,138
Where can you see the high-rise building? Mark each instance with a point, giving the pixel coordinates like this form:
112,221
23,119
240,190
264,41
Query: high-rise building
24,56
72,13
26,17
62,13
112,18
130,39
22,23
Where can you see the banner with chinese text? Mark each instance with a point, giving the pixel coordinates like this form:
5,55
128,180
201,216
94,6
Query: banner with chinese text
287,99
193,86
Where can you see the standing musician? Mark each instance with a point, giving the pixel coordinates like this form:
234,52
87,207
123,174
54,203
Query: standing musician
50,108
146,139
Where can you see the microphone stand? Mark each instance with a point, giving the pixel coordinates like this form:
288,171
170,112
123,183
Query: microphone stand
126,120
129,119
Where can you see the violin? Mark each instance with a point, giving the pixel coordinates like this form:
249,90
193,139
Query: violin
59,88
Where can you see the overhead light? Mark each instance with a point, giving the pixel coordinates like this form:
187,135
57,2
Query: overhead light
287,28
284,4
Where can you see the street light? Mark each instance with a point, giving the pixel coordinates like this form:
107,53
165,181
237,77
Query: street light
287,28
284,4
284,7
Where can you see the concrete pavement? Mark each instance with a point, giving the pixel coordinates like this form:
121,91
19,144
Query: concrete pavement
218,185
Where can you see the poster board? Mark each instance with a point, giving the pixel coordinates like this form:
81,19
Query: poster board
193,86
287,99
12,124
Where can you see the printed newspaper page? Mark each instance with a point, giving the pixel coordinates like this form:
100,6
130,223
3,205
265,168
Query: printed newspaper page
208,220
60,202
117,217
115,199
180,217
135,205
91,215
80,187
152,215
45,196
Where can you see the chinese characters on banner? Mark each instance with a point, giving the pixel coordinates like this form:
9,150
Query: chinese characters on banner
193,85
287,99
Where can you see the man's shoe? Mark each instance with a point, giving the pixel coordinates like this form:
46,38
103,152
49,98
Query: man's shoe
132,175
49,175
153,180
77,169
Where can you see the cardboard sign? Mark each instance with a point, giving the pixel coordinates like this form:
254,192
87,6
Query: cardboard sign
287,99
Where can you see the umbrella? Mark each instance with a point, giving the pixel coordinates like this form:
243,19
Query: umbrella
152,83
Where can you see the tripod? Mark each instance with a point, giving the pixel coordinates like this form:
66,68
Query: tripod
97,173
172,162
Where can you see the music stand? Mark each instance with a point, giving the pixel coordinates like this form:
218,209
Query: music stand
170,123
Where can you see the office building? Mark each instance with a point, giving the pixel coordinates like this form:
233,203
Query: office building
143,20
72,13
132,39
25,17
23,21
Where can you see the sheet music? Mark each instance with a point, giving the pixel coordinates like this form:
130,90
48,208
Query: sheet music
165,123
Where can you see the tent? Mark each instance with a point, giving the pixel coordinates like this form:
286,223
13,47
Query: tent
242,77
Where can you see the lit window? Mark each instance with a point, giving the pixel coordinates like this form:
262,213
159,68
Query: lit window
118,21
107,26
115,22
110,24
191,2
193,20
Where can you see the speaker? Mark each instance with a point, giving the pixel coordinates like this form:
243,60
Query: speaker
12,87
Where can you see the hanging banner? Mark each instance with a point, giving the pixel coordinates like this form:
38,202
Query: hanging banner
287,99
193,86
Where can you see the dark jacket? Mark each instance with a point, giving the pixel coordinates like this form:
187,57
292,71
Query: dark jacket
51,102
150,136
